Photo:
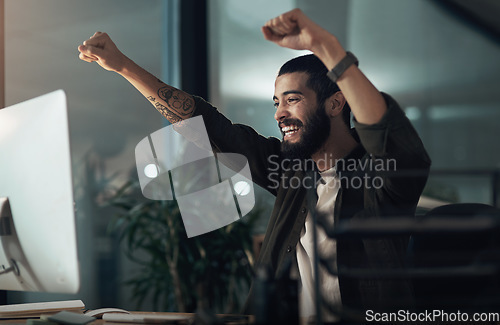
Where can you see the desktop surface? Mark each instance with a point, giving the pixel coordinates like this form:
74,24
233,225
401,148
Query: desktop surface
176,318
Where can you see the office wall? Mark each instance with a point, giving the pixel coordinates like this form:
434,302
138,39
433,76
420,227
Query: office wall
107,116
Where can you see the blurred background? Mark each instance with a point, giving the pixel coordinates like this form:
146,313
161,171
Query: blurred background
438,58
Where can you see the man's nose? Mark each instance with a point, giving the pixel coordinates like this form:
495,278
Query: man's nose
281,113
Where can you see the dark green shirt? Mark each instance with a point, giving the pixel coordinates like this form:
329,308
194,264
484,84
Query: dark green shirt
390,154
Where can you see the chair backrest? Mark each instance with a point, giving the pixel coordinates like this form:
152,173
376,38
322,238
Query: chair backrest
457,250
464,209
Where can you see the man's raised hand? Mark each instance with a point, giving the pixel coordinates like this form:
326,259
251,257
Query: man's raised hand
101,49
294,30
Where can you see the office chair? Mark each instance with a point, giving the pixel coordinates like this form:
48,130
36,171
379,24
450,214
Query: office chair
472,258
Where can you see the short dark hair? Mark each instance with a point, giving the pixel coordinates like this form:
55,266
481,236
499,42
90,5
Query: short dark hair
318,80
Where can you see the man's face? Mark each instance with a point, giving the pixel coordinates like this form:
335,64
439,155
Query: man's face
304,126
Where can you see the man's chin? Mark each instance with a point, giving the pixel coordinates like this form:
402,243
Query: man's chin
289,143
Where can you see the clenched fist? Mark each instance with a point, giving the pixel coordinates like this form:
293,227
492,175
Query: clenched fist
101,49
294,30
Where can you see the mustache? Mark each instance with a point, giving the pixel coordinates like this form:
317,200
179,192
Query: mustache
290,121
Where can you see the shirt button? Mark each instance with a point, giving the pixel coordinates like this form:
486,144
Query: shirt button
289,249
304,210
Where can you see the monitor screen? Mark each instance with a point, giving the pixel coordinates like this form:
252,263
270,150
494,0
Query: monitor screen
38,250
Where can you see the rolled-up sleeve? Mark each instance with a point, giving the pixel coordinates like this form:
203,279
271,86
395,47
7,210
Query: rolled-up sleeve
393,134
394,138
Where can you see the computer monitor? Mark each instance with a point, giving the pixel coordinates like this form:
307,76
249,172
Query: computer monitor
38,249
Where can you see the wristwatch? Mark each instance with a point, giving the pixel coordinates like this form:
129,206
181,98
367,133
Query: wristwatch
342,66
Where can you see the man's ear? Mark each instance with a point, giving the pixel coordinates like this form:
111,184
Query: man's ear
334,104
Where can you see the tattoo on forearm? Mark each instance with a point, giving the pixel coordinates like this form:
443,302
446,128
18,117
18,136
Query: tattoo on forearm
177,101
169,115
179,104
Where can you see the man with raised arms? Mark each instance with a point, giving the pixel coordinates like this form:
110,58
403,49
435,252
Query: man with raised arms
313,97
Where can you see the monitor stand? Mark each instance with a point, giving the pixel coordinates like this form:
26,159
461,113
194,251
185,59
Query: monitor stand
6,232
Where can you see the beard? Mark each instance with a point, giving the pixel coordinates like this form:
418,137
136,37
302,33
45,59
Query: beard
315,131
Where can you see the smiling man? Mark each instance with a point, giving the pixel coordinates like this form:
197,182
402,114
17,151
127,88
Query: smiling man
313,97
312,113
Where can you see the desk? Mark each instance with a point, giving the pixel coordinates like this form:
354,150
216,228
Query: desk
228,319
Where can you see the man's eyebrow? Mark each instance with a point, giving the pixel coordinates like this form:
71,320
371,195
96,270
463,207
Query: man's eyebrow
288,92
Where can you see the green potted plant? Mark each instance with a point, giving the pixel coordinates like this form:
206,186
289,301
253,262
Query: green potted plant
177,270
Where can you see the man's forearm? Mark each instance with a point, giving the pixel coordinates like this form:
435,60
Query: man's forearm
366,102
174,104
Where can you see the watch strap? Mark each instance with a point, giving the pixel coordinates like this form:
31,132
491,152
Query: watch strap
342,66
